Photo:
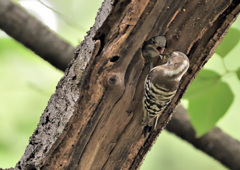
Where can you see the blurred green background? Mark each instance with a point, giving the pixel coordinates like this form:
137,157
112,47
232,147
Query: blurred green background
27,82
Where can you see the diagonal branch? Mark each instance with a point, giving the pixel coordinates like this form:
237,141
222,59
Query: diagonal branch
199,41
215,143
20,25
93,119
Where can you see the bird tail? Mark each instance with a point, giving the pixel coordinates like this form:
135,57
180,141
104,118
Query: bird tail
147,129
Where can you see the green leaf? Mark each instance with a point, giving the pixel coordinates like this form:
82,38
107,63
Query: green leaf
238,73
208,74
206,79
209,99
229,42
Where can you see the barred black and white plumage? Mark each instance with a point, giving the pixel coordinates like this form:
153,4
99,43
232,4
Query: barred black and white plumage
161,85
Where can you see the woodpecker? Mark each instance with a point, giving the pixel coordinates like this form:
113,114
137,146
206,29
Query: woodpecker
161,85
154,48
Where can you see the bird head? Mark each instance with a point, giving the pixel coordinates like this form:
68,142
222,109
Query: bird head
158,44
177,64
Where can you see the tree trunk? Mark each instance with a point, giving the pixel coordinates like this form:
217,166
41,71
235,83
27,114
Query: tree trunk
92,121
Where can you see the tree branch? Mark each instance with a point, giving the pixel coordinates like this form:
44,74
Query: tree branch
93,119
20,25
215,143
199,49
180,124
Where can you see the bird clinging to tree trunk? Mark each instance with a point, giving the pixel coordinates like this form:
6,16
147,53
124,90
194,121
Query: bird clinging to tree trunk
161,85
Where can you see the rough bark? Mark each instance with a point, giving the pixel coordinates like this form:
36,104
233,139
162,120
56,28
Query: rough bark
93,119
215,143
17,23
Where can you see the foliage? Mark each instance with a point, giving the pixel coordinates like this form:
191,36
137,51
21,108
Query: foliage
29,82
209,99
209,96
229,43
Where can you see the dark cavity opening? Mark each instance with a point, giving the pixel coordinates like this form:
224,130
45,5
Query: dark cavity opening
114,58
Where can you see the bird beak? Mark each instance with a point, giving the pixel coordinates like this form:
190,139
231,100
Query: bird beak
160,50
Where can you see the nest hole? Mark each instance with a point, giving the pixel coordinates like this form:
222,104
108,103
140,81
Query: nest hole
114,58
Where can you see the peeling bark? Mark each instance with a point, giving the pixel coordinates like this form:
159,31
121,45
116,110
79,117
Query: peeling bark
92,121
